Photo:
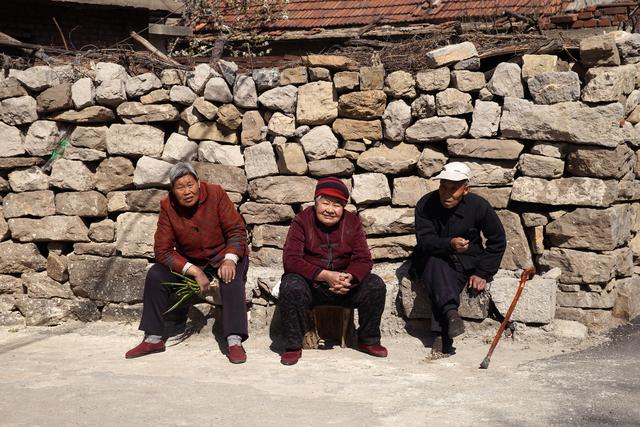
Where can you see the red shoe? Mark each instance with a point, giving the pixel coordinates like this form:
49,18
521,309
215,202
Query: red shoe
145,348
291,357
236,354
373,349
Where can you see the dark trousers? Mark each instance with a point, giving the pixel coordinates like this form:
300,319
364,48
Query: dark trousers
444,280
156,301
298,296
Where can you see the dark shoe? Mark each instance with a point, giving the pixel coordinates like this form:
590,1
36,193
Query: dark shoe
373,349
145,348
442,347
455,325
236,354
291,357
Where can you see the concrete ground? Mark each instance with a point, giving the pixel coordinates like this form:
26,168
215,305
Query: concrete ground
76,374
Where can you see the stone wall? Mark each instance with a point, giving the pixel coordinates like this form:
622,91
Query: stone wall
552,146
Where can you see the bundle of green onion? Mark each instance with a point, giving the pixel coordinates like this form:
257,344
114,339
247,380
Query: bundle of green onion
185,289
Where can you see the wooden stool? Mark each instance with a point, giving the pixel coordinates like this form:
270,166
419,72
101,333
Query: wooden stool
329,323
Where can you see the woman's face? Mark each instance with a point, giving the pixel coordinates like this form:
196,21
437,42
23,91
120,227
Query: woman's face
329,210
186,190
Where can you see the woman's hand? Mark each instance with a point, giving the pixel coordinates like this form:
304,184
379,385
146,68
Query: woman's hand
339,283
200,277
227,271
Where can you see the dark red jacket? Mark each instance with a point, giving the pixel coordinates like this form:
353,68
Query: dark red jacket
202,234
312,247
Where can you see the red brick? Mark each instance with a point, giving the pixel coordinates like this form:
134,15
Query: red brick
564,19
614,10
577,24
597,13
591,23
605,22
590,8
619,18
585,15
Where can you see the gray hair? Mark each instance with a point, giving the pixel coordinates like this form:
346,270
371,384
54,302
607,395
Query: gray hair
179,170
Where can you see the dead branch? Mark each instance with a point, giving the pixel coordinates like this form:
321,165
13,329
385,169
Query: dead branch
151,48
64,41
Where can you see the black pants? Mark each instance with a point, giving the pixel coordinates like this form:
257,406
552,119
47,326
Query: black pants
298,296
156,301
444,281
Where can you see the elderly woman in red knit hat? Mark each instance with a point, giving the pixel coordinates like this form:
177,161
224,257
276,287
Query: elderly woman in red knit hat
327,261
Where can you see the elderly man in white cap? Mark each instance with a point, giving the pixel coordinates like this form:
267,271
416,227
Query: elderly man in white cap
450,254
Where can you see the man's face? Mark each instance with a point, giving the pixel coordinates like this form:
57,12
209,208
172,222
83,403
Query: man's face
186,190
451,192
329,210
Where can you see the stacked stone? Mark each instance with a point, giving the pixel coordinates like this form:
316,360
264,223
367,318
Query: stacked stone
559,167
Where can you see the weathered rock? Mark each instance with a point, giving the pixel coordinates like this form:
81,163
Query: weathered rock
191,116
567,121
387,220
135,201
283,98
282,189
592,229
32,179
98,249
108,279
541,166
83,154
37,78
282,125
71,175
217,90
206,108
423,107
291,159
269,235
179,148
533,219
45,312
331,167
253,128
19,110
199,79
114,173
400,84
135,140
42,138
498,197
316,104
627,305
390,159
600,162
228,177
137,112
585,299
554,87
39,285
213,132
182,95
10,284
363,105
265,257
57,268
431,161
506,81
586,267
151,172
370,188
55,98
495,172
354,130
435,129
229,116
93,114
102,231
266,78
12,141
260,160
223,154
534,65
433,80
517,255
49,229
121,313
89,203
20,257
550,149
106,71
449,54
564,191
537,302
372,78
408,190
319,73
392,247
467,81
506,149
11,88
228,70
396,119
31,203
608,84
158,96
134,234
245,94
19,162
111,93
332,62
293,76
319,143
599,50
261,213
345,81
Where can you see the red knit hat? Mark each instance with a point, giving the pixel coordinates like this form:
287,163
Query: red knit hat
332,187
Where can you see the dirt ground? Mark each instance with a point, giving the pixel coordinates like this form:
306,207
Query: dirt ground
76,375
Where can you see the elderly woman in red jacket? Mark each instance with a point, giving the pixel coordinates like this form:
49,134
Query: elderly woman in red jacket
327,261
200,234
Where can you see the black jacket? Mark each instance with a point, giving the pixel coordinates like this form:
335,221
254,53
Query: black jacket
436,226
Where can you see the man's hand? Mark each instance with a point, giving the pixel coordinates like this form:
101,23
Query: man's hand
459,244
200,277
477,283
339,283
227,271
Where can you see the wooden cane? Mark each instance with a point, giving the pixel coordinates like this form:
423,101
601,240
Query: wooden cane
527,274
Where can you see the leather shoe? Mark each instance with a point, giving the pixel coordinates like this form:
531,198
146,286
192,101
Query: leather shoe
236,354
376,350
291,357
145,348
442,347
455,325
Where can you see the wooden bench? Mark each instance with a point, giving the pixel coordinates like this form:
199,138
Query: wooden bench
329,324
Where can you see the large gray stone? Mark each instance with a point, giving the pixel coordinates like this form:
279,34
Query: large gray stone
541,166
554,87
108,279
592,229
608,84
210,151
111,93
423,107
485,119
283,98
269,235
12,141
358,130
587,267
52,312
37,78
400,84
495,172
134,234
10,284
431,162
319,143
198,79
83,93
499,149
392,247
107,71
364,105
114,173
567,121
452,102
54,99
11,88
396,119
20,257
135,140
316,104
32,179
228,177
370,188
387,220
179,148
408,190
266,78
213,132
88,204
135,201
42,138
291,159
260,160
506,81
151,172
39,285
282,189
435,129
433,80
537,303
390,158
564,191
245,94
137,112
30,203
599,50
261,213
49,229
71,175
600,162
182,95
331,167
517,255
449,54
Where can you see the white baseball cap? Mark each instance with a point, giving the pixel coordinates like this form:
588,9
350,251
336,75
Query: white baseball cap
454,171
